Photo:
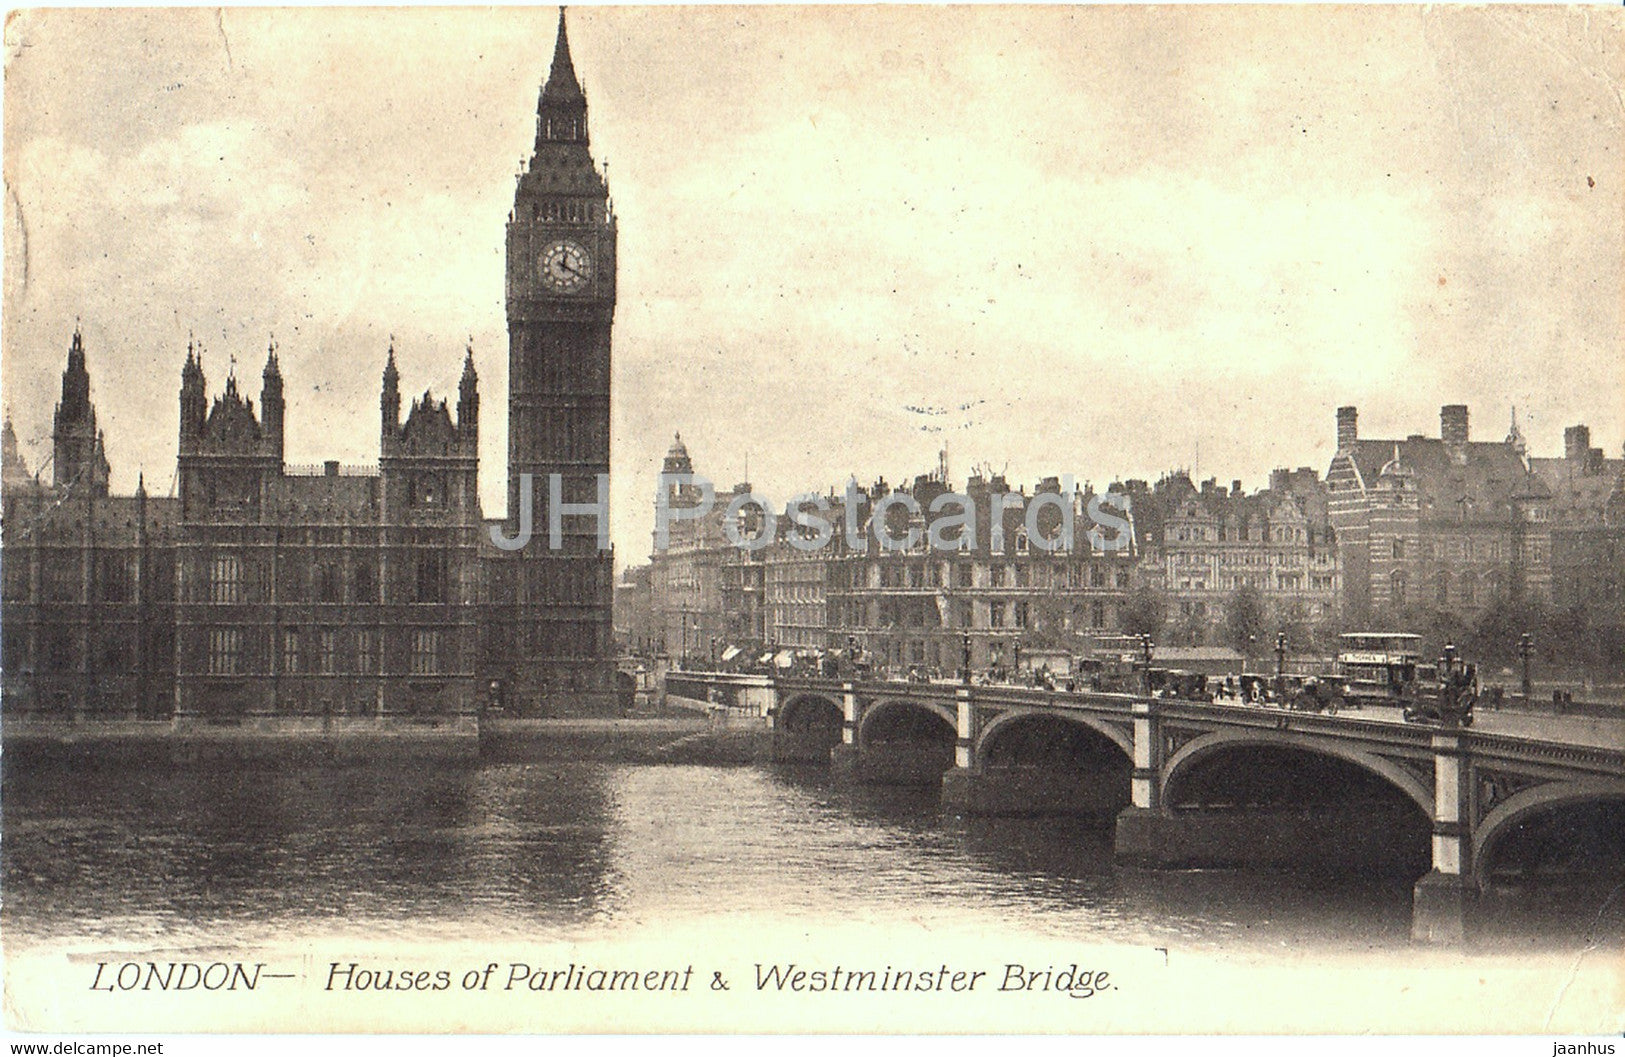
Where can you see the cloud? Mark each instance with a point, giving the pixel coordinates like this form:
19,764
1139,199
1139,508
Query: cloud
1105,236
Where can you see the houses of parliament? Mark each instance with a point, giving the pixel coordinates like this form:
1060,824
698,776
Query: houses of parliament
262,589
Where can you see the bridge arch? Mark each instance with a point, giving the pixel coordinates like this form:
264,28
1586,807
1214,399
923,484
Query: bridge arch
805,710
893,706
1116,736
1521,805
1204,745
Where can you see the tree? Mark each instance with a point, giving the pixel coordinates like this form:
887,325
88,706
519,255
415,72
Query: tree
1244,619
1292,617
1569,631
1145,612
1495,633
1325,635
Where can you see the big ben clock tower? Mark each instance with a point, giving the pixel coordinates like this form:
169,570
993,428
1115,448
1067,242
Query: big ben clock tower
561,305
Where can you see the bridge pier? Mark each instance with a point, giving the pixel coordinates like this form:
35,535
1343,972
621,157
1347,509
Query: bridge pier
1143,830
888,763
1443,898
1028,791
843,758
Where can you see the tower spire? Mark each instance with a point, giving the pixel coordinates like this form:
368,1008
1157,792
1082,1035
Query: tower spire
561,112
562,87
389,398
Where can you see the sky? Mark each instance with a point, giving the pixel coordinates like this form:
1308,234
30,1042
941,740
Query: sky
1101,241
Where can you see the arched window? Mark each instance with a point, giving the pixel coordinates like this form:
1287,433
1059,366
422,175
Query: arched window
1396,588
1441,588
225,579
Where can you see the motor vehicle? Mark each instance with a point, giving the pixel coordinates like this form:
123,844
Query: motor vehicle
1379,667
1317,693
1451,702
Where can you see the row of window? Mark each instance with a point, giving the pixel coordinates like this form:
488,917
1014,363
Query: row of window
1445,589
882,575
567,582
961,614
112,651
946,655
113,581
234,581
1242,534
1247,558
322,651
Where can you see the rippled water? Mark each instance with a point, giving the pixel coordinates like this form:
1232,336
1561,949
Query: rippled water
559,849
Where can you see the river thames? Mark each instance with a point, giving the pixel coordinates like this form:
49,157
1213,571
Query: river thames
134,856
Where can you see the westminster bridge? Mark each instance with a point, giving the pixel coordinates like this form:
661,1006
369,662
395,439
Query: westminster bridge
1193,783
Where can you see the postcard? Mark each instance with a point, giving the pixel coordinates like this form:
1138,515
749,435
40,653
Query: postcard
814,519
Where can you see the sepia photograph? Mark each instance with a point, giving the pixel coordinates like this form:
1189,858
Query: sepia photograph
788,520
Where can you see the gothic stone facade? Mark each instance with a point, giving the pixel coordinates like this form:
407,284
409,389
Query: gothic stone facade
89,578
263,589
553,607
330,590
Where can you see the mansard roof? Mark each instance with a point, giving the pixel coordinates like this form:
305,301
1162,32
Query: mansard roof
1580,489
1486,481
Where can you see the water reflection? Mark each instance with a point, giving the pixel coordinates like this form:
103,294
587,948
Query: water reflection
234,854
144,854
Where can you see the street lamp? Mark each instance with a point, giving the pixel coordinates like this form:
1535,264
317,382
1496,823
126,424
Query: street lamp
1526,650
1280,663
964,671
1146,648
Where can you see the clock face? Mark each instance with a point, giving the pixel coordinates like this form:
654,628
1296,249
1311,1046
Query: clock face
564,266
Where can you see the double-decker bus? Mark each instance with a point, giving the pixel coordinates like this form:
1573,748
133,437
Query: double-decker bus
1113,664
1382,666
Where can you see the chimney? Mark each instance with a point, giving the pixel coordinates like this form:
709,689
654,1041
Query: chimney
330,468
1347,432
1576,442
1235,487
1453,424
